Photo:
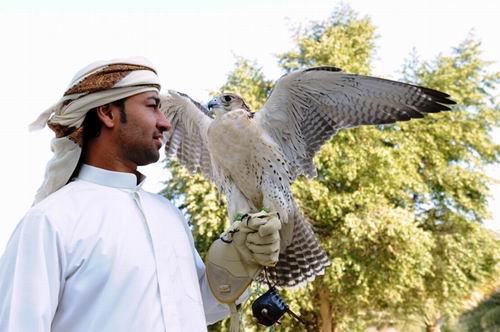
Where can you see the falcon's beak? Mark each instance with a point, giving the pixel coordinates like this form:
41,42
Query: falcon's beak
214,103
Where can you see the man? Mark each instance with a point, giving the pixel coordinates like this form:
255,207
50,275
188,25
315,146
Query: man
96,252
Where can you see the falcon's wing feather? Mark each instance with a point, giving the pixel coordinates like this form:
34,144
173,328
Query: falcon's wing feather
187,140
308,107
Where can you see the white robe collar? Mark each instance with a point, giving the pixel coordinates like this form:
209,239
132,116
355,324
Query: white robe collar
108,178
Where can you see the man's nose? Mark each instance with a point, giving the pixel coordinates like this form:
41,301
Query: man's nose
163,124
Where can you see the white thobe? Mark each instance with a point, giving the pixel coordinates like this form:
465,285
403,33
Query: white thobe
101,254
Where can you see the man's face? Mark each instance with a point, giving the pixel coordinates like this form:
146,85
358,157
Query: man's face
140,137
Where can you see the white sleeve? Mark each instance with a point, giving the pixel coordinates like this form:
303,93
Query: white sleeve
31,276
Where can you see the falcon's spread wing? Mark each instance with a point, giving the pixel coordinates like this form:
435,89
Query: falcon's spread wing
307,107
187,140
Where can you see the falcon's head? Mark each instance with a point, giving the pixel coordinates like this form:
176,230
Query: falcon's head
227,102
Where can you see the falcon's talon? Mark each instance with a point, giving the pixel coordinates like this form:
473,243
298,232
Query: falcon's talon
239,216
234,231
225,241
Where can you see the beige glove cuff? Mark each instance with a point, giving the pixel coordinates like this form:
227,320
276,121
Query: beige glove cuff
227,274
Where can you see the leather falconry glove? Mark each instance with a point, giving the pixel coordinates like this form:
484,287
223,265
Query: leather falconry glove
256,237
241,252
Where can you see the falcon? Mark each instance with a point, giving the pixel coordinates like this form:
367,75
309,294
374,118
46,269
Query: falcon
253,158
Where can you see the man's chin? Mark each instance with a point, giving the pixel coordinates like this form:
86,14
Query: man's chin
150,159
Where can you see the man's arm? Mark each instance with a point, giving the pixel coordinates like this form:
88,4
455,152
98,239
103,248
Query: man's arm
31,276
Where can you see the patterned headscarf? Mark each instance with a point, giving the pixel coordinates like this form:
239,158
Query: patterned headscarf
97,84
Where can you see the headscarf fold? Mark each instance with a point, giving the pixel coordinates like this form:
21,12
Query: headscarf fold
97,84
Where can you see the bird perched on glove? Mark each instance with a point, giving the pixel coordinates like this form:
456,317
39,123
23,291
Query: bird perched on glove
253,158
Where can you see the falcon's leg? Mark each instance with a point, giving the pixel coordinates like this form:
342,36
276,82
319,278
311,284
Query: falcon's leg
280,201
237,202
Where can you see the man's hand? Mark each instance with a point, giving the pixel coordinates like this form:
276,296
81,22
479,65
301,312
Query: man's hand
240,253
256,237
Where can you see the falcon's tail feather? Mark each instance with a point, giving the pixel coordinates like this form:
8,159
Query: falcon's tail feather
303,259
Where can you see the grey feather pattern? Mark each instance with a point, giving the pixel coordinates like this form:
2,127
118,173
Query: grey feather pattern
302,260
187,140
308,107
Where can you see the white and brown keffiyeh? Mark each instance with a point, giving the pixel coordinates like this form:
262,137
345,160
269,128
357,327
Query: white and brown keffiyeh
97,84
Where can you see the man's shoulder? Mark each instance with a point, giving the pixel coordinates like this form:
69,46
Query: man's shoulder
68,203
50,211
60,198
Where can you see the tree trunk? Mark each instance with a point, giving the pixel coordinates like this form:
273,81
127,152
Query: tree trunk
436,327
325,310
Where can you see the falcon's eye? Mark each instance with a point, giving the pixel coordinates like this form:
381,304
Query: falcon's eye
227,99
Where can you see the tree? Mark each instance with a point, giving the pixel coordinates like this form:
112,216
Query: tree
459,145
398,208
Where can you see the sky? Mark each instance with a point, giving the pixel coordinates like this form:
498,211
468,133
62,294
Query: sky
193,45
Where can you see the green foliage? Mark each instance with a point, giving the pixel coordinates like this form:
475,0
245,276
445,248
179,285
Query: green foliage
465,257
485,317
398,208
458,146
343,40
380,260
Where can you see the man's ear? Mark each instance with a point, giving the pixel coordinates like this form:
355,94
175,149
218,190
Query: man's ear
105,113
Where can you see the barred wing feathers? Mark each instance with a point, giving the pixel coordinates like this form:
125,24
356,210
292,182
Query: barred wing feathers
187,140
301,261
306,108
